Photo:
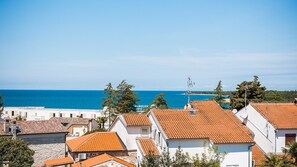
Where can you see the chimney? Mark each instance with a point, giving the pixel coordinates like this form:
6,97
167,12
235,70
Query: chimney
6,126
14,129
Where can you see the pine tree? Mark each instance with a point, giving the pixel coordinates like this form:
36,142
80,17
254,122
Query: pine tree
219,93
160,102
109,102
253,91
16,152
126,98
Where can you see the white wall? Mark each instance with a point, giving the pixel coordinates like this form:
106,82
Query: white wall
262,129
191,146
281,139
237,154
41,113
128,134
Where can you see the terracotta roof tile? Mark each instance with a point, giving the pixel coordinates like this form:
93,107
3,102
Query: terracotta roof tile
280,115
58,161
97,141
209,121
147,145
238,122
101,159
136,119
36,127
258,155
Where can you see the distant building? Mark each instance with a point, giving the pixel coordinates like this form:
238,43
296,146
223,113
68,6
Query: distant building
274,124
94,144
47,138
41,113
77,126
131,126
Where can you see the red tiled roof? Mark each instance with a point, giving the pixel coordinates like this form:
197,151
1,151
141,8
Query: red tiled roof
237,121
147,145
72,121
36,127
209,121
101,159
280,115
136,119
58,161
258,155
97,141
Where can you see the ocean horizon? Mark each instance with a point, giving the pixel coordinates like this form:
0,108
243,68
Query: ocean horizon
87,99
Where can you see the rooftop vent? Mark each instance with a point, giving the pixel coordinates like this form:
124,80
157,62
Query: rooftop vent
192,112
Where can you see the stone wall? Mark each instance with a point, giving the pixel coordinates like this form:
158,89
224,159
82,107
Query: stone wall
47,151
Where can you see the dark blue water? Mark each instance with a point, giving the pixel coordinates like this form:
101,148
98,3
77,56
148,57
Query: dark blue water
85,99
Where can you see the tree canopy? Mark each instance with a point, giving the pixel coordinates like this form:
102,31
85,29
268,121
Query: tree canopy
16,152
180,159
219,93
160,102
119,100
252,89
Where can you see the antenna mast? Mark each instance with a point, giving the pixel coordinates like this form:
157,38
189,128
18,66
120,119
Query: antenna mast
190,84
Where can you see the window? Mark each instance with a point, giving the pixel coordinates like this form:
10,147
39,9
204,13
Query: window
61,115
290,138
159,137
144,131
81,115
70,115
54,114
12,113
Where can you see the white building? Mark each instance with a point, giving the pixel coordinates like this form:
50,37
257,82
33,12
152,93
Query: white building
131,126
194,130
41,113
274,124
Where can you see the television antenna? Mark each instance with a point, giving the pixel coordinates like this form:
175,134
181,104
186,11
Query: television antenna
190,84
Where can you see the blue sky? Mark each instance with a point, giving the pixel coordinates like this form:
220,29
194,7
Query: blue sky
154,45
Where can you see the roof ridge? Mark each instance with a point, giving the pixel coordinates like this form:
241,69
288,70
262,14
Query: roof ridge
91,136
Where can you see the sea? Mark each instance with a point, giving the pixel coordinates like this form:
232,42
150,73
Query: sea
87,99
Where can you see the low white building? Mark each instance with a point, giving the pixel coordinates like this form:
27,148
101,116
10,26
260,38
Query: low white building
41,113
274,124
131,126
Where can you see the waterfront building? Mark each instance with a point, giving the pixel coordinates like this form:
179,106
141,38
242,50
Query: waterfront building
41,113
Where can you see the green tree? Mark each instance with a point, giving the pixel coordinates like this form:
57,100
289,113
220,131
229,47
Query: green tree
165,160
273,96
253,91
220,94
16,152
180,159
150,160
214,158
1,106
160,102
110,102
101,121
292,152
272,160
126,98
